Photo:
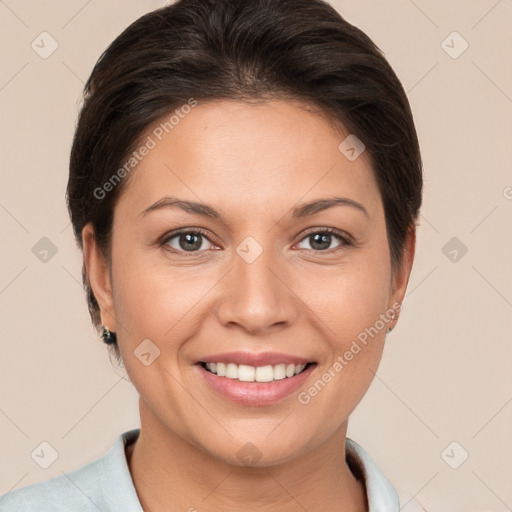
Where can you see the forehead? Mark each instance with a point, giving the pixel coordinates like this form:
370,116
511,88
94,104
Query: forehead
234,153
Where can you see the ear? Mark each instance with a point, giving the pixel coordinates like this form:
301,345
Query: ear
401,274
99,277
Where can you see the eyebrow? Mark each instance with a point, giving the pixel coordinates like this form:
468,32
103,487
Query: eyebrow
300,211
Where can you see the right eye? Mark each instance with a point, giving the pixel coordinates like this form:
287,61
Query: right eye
186,240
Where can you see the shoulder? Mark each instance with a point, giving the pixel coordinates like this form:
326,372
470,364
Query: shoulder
104,484
58,494
382,495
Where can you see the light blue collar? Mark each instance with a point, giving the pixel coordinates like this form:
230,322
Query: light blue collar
381,495
106,484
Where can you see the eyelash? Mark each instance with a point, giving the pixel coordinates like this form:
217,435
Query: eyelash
343,238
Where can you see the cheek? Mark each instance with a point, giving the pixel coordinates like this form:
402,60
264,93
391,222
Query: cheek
350,299
154,301
351,306
353,338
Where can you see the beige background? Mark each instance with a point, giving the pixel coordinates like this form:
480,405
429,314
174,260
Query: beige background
446,374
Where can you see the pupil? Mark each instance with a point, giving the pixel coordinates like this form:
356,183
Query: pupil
186,241
321,238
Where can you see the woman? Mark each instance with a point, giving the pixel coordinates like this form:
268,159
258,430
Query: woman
244,183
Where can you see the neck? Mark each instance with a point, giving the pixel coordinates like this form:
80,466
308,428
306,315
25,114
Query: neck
171,474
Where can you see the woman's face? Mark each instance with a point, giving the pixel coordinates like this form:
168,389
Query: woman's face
261,286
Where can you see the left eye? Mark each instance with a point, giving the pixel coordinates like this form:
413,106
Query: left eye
321,240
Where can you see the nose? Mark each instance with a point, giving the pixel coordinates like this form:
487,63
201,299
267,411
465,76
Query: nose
257,296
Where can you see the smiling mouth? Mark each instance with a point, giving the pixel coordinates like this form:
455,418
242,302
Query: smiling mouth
246,373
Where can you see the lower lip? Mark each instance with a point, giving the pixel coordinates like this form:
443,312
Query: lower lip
255,393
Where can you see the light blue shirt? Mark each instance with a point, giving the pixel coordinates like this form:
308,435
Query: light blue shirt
106,485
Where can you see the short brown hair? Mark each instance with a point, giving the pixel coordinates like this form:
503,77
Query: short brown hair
242,50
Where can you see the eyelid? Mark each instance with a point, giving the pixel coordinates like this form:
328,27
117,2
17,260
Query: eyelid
344,238
333,231
193,230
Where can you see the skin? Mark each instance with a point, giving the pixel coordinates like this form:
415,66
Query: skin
253,163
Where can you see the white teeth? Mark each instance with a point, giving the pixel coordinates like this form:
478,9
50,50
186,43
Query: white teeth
290,370
279,371
299,368
221,369
245,373
231,371
264,374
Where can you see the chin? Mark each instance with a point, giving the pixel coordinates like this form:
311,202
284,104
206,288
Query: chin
259,448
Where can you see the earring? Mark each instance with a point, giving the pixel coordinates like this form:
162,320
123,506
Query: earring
389,329
108,336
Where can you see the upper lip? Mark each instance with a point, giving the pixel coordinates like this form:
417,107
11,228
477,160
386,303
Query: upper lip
255,359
